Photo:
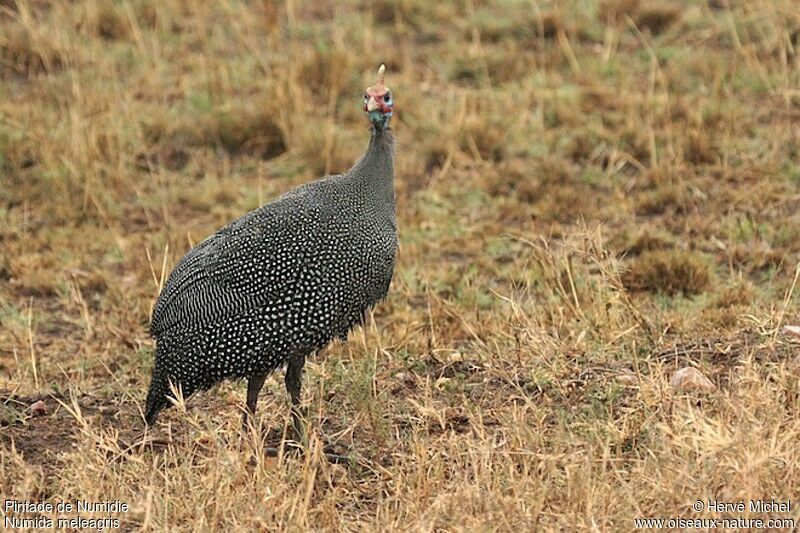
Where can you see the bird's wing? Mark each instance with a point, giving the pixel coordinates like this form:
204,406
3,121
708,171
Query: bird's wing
253,261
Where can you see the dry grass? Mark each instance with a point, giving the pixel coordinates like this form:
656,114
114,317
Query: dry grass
670,273
591,195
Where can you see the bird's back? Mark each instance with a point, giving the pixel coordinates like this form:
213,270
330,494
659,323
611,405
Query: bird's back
323,247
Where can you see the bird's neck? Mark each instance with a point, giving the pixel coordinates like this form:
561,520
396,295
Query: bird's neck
376,166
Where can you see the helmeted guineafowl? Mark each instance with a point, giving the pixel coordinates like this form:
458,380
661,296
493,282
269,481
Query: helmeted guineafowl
282,281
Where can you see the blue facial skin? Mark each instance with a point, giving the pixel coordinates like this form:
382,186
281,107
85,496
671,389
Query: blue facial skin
379,119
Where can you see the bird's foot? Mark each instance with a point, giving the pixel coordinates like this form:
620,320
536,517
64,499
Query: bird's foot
331,453
295,449
277,443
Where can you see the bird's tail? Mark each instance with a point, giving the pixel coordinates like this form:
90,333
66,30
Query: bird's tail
157,394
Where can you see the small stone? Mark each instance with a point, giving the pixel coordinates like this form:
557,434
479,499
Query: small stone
793,331
690,379
38,408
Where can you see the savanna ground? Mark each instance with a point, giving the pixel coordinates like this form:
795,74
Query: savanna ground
591,196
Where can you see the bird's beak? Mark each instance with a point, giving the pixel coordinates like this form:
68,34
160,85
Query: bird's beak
372,105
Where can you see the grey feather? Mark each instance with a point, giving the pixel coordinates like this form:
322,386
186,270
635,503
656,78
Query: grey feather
284,279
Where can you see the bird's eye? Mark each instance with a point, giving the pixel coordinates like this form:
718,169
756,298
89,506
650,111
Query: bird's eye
387,97
366,97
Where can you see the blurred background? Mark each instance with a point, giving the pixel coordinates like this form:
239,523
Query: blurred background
592,195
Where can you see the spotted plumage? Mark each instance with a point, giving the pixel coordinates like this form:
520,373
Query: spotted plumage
282,281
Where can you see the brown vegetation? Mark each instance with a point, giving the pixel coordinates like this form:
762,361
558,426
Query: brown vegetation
591,196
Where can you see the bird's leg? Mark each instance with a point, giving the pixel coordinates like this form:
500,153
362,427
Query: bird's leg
294,383
254,385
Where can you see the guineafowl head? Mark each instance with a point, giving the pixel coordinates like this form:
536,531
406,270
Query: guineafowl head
378,102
